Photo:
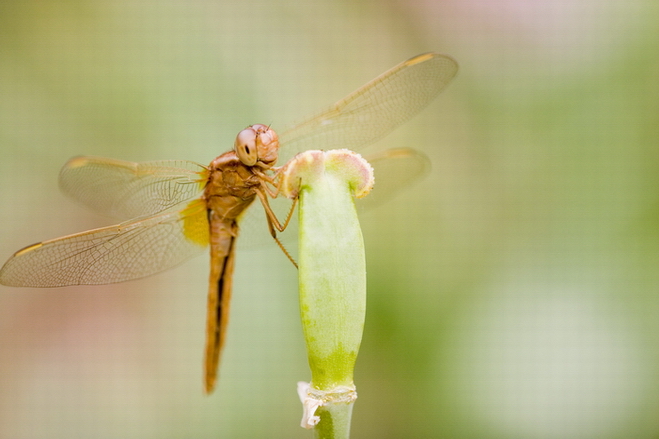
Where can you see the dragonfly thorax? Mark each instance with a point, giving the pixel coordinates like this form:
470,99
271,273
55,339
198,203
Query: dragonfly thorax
231,185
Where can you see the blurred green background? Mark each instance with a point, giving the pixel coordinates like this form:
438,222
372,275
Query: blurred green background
512,294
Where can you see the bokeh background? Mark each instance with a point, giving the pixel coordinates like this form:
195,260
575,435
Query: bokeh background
512,294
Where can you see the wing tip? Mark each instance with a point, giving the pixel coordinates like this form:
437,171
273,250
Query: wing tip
76,162
27,249
418,59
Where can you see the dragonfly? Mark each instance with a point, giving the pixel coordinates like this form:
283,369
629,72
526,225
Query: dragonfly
173,210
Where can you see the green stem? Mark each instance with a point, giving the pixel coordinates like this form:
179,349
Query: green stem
332,279
334,421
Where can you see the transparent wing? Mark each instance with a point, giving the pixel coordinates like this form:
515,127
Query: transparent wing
395,171
126,190
129,250
357,120
373,110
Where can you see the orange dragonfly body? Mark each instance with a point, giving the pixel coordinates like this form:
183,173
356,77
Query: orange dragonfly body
173,210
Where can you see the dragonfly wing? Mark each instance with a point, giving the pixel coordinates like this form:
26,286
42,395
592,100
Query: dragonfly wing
126,190
395,170
375,109
126,251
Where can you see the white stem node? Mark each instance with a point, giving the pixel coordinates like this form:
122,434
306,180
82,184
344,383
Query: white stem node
313,398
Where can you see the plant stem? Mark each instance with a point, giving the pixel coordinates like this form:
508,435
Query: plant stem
332,279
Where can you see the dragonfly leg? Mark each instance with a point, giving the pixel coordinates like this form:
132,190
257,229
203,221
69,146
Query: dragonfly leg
274,225
273,221
283,249
265,179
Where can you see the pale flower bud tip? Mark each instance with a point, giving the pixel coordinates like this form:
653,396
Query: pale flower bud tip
307,165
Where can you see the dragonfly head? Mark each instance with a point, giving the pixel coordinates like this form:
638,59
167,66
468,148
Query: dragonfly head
257,144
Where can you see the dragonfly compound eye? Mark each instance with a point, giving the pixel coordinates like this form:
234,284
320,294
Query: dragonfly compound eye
245,146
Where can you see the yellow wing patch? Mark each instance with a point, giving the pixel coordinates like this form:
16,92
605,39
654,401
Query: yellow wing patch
195,223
